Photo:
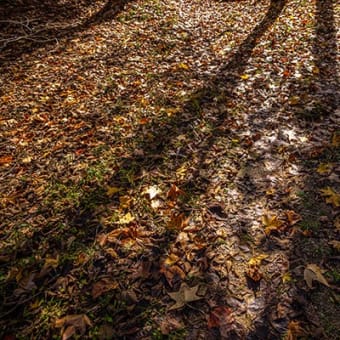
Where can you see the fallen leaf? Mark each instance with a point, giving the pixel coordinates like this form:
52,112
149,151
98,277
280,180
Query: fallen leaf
337,223
314,273
221,316
292,217
110,191
332,196
336,140
126,219
244,76
178,221
4,160
184,295
253,271
324,168
152,191
78,321
125,202
294,330
271,223
335,244
174,193
68,332
102,286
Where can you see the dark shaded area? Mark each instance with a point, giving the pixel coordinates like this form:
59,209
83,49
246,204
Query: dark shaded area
27,25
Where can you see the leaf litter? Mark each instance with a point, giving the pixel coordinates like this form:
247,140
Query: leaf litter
153,147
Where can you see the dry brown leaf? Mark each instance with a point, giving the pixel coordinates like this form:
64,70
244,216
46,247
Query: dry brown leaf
110,191
184,295
335,244
102,286
4,160
314,273
78,321
174,193
221,316
178,221
336,140
292,217
294,330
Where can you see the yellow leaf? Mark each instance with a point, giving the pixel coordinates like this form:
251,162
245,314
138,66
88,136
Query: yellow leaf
324,168
286,277
271,223
183,66
314,273
294,100
337,223
126,219
336,140
244,76
332,196
256,261
110,191
125,202
316,70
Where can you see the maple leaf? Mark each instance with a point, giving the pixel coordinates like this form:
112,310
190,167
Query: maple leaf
253,270
174,193
332,196
314,273
178,221
271,223
184,295
294,330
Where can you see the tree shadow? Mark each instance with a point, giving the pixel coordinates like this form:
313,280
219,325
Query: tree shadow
29,25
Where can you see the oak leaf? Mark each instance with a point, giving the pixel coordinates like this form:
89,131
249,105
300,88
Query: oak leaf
332,196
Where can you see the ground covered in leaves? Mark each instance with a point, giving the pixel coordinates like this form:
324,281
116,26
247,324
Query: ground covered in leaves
169,169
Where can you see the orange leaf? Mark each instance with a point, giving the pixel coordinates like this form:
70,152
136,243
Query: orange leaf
6,160
178,222
174,193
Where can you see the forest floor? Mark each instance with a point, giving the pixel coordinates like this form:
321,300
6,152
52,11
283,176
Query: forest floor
169,169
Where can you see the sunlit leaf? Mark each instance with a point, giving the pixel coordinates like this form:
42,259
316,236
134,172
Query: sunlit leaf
244,76
126,219
292,217
271,223
152,191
